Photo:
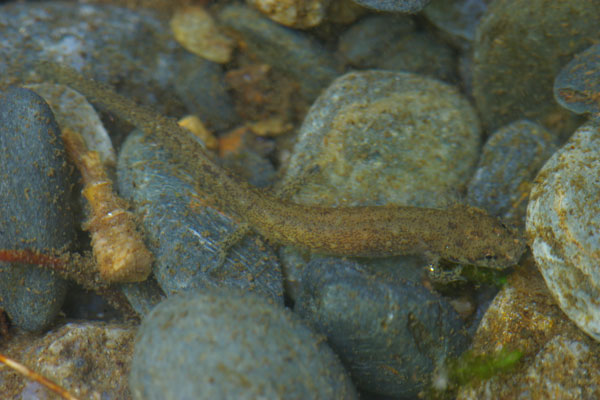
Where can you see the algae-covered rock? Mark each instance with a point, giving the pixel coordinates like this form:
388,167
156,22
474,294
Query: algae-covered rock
519,48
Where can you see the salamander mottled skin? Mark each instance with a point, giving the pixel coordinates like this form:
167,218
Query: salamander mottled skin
459,234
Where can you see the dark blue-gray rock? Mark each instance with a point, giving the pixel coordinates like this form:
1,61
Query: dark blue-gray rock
184,234
403,6
577,86
35,211
224,344
389,333
391,42
143,296
132,50
509,162
293,52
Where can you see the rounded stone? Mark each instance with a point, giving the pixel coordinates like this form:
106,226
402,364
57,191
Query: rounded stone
225,344
509,162
382,137
35,206
388,332
577,86
563,225
300,14
519,48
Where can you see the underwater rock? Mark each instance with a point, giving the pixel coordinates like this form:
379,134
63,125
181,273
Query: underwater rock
457,18
509,162
226,344
300,14
391,42
389,333
91,360
558,359
563,225
184,234
133,50
382,137
519,48
577,86
35,209
404,6
293,52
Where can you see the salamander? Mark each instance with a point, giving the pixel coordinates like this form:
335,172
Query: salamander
460,234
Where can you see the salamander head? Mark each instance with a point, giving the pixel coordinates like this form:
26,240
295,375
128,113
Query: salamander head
484,241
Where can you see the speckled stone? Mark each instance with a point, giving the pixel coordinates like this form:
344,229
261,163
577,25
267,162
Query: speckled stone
133,50
389,333
391,42
224,344
457,18
559,361
510,160
519,48
184,234
300,14
35,213
72,111
293,52
382,137
577,86
405,6
563,225
196,30
91,360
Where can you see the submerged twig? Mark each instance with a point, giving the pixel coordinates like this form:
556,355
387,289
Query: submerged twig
34,376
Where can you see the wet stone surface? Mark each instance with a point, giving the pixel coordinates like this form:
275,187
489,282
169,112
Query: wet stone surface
293,52
301,14
563,225
35,212
89,359
404,6
185,235
381,137
458,18
72,111
510,160
514,72
108,43
389,333
577,86
558,360
232,345
391,42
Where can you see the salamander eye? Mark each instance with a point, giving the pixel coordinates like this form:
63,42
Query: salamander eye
490,257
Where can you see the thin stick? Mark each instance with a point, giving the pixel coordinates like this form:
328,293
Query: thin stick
34,376
33,257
